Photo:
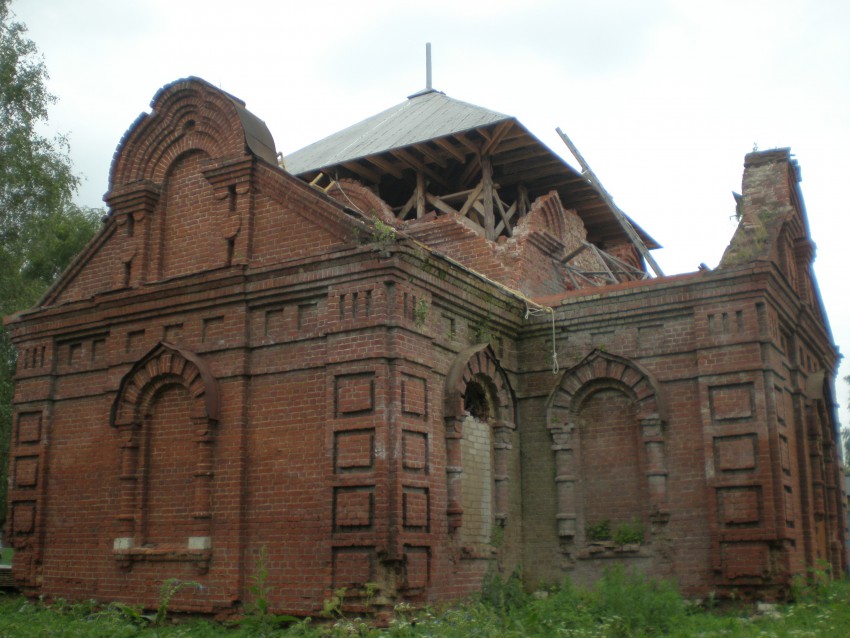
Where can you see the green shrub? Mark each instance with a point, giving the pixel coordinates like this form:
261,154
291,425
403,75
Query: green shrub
600,531
633,605
629,533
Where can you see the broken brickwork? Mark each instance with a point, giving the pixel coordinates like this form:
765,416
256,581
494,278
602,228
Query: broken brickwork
242,362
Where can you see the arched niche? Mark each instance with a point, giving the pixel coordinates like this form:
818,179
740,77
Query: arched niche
477,392
188,117
166,371
604,372
188,114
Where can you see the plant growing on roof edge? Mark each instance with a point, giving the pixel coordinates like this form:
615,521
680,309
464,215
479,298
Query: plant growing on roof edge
382,233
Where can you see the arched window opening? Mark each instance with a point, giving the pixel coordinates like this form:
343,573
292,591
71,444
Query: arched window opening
479,412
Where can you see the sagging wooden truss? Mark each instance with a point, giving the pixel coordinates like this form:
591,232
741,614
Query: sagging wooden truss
479,207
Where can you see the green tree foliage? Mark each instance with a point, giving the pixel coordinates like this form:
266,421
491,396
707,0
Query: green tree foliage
40,227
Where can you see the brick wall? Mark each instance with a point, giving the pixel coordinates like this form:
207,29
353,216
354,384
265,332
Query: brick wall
232,369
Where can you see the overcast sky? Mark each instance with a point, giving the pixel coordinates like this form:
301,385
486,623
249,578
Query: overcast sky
663,99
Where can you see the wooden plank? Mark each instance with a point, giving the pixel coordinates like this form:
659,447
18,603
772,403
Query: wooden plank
537,172
431,155
440,205
420,194
362,171
487,197
384,165
575,253
513,143
473,167
407,206
451,149
621,217
524,202
468,143
498,133
473,197
502,224
503,214
471,224
458,195
601,259
418,165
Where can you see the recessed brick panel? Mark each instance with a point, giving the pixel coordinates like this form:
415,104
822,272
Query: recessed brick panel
135,340
213,329
744,560
650,336
731,402
26,471
784,456
354,393
414,451
172,332
417,566
308,316
274,322
735,453
790,517
414,395
353,567
353,508
417,515
779,395
739,506
29,427
354,450
23,517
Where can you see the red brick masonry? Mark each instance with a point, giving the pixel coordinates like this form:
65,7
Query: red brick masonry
236,363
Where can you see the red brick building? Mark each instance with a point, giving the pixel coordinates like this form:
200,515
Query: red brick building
349,362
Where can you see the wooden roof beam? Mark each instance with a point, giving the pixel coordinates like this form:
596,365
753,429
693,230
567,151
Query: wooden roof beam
498,133
358,169
418,165
468,143
450,148
431,154
384,165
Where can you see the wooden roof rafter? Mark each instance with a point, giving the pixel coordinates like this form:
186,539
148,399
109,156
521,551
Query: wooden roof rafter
451,149
406,157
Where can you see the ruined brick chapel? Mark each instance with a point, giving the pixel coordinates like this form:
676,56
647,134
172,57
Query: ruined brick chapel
420,349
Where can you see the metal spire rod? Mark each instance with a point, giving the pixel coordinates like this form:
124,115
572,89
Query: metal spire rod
428,65
621,217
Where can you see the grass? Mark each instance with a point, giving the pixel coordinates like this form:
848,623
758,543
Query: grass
621,605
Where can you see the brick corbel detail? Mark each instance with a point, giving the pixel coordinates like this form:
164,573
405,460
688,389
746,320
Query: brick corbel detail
232,186
132,206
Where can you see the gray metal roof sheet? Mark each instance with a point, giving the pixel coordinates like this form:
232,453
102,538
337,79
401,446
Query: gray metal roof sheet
424,116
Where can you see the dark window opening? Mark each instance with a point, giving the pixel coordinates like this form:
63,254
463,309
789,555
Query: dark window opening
475,401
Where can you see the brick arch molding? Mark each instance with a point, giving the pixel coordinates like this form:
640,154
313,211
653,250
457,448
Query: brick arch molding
164,366
478,364
185,115
599,370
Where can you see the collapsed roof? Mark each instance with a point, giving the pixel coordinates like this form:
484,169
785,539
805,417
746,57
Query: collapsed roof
436,151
